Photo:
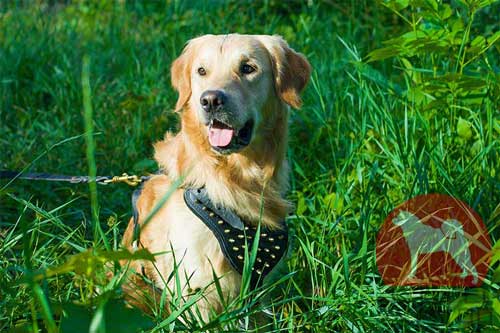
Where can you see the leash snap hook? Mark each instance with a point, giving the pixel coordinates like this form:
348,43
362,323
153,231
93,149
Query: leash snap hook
132,180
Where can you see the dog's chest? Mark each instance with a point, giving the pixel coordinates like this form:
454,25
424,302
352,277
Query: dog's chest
188,245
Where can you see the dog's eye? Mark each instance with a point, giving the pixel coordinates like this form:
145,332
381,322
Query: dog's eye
247,69
202,71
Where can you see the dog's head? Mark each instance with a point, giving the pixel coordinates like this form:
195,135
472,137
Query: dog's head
227,80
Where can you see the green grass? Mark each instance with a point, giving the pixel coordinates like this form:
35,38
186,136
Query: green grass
86,86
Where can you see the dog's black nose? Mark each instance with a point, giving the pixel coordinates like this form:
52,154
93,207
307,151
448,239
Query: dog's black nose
212,100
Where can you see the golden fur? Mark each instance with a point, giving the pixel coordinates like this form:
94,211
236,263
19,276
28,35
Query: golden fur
240,180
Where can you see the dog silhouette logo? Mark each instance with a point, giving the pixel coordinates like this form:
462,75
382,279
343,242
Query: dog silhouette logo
433,240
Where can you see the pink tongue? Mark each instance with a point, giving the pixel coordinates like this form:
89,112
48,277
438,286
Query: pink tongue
220,137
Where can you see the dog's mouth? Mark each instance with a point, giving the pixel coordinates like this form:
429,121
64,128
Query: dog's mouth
225,139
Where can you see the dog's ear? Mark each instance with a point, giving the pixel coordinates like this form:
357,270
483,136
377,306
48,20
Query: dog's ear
291,69
180,74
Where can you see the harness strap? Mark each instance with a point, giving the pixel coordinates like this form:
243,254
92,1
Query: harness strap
135,216
235,237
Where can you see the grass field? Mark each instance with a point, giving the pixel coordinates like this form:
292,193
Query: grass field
419,115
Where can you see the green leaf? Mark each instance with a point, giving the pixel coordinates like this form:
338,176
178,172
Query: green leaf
396,5
496,274
457,26
22,327
496,125
432,3
476,147
445,12
383,53
495,305
417,96
413,74
493,39
464,129
495,251
467,84
483,3
88,262
479,41
334,203
464,303
301,204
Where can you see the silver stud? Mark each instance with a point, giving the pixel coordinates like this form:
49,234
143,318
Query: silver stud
204,208
266,264
227,231
246,228
231,240
243,246
240,257
241,236
235,248
273,256
277,247
259,249
259,260
220,222
212,214
259,271
263,235
270,239
266,249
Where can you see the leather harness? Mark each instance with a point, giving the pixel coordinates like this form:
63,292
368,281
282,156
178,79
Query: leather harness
233,234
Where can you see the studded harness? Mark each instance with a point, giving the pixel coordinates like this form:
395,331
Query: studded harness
234,235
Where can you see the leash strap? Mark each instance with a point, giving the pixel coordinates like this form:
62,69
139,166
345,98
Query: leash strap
131,180
234,236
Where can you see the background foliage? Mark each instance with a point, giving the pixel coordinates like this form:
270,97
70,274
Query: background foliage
404,100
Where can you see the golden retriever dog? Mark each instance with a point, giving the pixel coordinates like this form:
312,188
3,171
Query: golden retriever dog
234,97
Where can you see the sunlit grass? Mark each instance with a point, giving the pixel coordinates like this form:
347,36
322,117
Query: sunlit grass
358,148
